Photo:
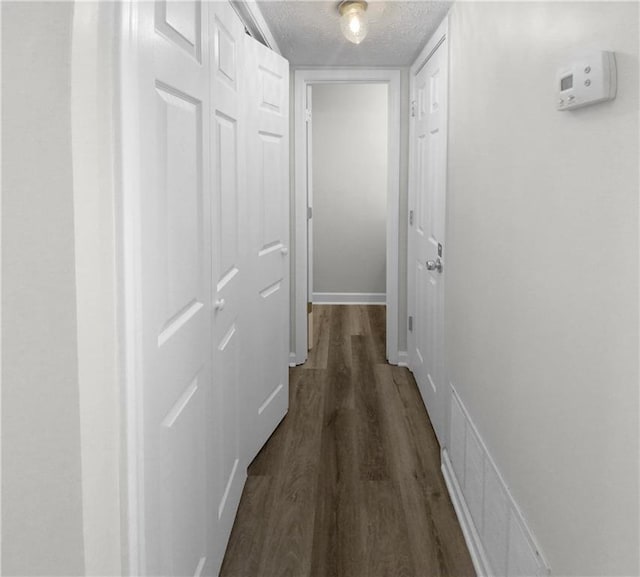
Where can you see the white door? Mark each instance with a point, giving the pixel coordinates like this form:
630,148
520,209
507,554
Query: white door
231,317
193,283
174,271
426,236
268,190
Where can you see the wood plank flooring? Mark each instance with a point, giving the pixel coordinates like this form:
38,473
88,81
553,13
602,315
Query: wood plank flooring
349,485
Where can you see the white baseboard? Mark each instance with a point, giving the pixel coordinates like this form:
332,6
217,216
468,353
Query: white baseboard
350,298
293,360
403,359
471,537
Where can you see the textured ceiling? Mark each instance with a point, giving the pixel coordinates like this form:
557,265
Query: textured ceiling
308,32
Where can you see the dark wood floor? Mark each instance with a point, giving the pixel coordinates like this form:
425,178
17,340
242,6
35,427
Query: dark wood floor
349,484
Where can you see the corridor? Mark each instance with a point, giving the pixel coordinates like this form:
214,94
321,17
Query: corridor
455,185
349,484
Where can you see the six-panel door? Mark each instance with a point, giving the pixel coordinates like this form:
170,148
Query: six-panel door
211,275
174,287
268,184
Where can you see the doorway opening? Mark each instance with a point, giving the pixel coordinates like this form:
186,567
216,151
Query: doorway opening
347,232
347,141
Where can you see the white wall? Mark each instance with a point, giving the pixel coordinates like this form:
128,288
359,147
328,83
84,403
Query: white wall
61,430
350,152
542,272
41,474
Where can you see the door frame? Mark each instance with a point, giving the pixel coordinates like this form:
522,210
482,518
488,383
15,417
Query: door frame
128,207
304,78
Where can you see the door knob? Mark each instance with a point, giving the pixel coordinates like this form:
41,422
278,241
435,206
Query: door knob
435,264
219,304
284,250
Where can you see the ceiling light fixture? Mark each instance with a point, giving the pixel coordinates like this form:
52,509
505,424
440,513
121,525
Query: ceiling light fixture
353,20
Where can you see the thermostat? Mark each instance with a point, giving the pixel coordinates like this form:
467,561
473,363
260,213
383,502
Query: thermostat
587,80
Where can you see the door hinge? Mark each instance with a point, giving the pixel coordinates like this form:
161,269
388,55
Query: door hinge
307,115
309,212
410,218
411,323
413,109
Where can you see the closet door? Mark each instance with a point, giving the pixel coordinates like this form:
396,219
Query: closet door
207,273
230,314
172,231
268,189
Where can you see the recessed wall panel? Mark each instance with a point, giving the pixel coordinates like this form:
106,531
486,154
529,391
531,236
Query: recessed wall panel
495,515
474,477
522,561
507,544
458,435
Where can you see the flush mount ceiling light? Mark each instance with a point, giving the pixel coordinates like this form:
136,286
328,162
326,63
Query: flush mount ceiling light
353,20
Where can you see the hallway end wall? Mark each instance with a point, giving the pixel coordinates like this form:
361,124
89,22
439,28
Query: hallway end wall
542,277
349,190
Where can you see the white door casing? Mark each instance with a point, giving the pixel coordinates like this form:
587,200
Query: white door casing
310,221
267,98
426,251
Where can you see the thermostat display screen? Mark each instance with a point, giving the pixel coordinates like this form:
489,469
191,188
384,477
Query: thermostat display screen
566,82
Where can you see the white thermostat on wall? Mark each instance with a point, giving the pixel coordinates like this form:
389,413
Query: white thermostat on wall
587,80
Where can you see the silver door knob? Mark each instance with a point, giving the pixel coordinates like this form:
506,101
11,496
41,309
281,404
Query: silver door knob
219,304
284,250
435,264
